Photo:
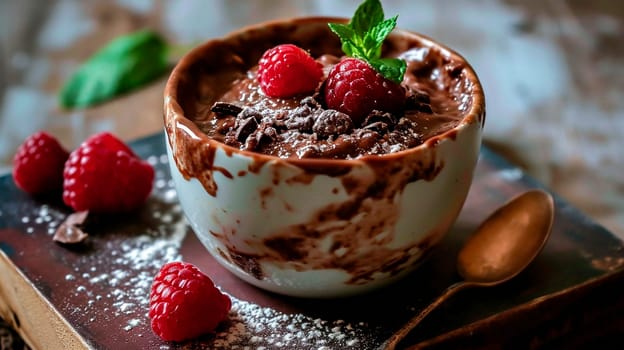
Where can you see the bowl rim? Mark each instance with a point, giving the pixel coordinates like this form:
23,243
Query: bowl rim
173,110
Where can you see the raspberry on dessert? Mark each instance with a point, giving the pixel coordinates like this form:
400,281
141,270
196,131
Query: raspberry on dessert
38,164
287,70
354,87
184,303
104,175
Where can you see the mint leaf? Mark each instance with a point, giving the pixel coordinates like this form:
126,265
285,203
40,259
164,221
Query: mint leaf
123,65
367,15
346,35
380,31
363,38
391,68
342,30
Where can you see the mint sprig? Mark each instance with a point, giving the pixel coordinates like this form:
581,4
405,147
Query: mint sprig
363,36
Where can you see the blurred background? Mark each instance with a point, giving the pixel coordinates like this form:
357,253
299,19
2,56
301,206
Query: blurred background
553,72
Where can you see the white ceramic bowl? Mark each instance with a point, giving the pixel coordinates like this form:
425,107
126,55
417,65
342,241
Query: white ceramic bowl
313,228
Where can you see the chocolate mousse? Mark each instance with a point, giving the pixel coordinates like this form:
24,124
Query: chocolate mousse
233,109
242,116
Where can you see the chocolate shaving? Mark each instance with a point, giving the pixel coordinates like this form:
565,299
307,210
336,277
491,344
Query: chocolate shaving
226,108
70,231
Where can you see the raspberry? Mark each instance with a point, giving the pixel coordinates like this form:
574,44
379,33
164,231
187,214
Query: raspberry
184,303
38,164
288,70
104,175
354,87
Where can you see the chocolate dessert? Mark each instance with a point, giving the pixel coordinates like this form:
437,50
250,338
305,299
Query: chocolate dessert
236,111
293,158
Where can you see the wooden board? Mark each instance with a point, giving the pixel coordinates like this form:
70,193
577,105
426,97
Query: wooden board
96,294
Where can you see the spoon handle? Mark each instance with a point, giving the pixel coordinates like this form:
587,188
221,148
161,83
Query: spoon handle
396,338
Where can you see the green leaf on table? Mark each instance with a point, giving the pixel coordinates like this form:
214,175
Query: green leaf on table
125,64
364,35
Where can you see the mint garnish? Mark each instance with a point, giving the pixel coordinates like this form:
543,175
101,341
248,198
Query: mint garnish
363,36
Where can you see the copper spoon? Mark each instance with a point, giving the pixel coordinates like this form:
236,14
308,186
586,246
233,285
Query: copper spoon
500,249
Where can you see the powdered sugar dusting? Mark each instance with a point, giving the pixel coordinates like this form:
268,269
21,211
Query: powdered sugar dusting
43,216
255,327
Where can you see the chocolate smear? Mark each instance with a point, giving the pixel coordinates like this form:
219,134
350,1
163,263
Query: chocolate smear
70,231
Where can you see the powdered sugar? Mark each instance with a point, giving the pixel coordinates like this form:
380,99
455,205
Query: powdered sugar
255,327
43,216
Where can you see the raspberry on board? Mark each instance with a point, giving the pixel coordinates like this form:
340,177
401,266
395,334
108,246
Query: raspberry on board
184,303
38,164
354,87
287,70
104,175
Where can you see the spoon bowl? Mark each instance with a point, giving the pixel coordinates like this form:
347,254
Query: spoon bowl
508,240
501,247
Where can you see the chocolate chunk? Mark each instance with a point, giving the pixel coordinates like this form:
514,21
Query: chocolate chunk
332,122
425,108
249,112
415,99
310,101
404,136
379,116
418,101
270,132
380,127
225,108
422,97
246,127
70,231
366,138
301,118
404,124
251,142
